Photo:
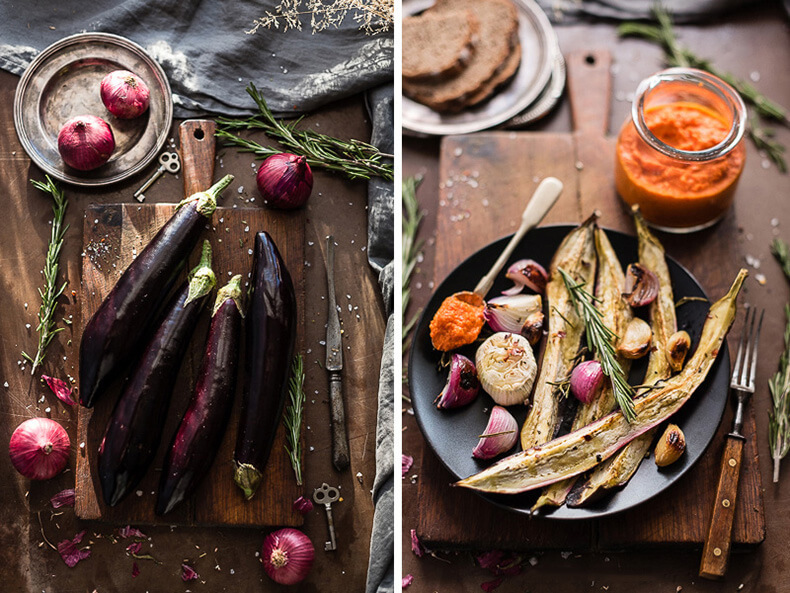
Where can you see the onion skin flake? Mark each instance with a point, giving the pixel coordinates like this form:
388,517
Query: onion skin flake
581,450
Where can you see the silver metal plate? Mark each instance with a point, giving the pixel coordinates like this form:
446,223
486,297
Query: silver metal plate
547,100
63,82
539,47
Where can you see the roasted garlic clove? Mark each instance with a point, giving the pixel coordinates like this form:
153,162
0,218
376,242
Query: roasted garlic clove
670,446
677,347
636,339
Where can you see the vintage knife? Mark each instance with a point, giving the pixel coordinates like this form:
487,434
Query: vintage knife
334,364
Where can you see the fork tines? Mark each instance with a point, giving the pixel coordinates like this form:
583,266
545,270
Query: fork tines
746,358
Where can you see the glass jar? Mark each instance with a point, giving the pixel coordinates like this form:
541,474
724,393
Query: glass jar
681,153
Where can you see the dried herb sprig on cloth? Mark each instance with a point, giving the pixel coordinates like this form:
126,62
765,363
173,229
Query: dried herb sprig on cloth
293,417
47,328
779,384
412,249
372,16
601,340
354,158
676,55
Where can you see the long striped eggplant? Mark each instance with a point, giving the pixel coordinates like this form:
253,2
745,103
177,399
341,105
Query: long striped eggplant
576,255
200,433
616,314
271,333
583,449
136,425
113,335
616,471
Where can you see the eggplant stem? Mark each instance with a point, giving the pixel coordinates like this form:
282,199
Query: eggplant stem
232,290
206,201
202,278
247,477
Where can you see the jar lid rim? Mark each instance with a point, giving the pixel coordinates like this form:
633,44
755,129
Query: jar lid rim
712,83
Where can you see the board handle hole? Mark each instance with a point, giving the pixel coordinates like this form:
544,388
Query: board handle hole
199,134
590,59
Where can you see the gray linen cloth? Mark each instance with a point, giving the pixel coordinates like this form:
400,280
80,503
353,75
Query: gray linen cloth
381,234
206,53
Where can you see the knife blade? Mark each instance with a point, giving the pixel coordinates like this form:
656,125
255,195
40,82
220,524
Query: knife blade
334,365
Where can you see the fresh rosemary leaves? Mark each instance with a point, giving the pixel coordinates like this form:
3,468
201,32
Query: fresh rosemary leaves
412,249
663,34
47,327
353,158
601,341
779,384
293,417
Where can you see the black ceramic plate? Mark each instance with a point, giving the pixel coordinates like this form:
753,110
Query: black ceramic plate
453,434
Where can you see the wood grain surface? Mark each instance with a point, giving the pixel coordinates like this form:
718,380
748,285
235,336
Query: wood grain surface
487,179
113,236
198,148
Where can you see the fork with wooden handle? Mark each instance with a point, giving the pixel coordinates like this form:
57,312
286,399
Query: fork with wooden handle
716,552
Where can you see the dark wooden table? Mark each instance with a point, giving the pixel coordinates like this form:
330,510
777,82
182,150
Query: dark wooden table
750,44
225,558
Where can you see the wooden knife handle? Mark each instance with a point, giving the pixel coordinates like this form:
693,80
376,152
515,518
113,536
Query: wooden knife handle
716,552
340,456
589,88
198,148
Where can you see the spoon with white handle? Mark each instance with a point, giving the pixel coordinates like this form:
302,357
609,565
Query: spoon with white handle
538,206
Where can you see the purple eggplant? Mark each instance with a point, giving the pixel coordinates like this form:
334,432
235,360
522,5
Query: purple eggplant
200,433
136,425
114,333
270,333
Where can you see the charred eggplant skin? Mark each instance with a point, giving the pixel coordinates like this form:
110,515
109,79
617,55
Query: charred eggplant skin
270,338
200,432
135,428
114,333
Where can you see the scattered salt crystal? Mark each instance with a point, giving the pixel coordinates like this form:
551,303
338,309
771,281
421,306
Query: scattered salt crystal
47,410
766,164
774,222
27,325
311,243
312,448
26,303
82,445
754,76
246,229
533,561
566,555
458,151
579,165
96,221
322,342
249,252
232,571
241,188
760,279
5,384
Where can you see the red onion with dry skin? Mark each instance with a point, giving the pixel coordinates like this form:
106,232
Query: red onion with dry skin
285,181
124,94
39,448
85,142
287,556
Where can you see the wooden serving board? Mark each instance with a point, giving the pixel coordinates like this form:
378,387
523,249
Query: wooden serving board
113,235
485,180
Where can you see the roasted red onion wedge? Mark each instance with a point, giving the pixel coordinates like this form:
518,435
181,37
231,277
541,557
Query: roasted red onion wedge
462,384
641,285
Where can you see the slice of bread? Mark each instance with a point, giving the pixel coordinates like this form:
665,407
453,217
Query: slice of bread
498,27
500,79
438,44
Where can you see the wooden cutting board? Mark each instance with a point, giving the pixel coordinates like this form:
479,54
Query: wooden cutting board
113,235
485,180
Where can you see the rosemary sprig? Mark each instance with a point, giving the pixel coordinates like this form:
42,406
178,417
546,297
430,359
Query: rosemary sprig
779,414
779,384
601,339
412,249
353,158
47,326
293,417
663,34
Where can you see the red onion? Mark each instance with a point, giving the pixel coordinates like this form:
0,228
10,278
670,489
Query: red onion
124,94
586,381
641,285
529,273
85,142
285,181
517,314
39,448
287,556
462,384
500,435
